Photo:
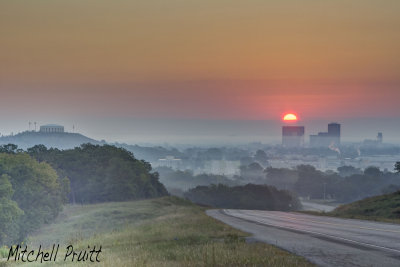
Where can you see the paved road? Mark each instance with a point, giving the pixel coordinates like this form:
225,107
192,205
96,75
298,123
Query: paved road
325,241
316,207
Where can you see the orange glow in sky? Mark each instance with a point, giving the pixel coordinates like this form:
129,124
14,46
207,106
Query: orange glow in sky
249,60
290,117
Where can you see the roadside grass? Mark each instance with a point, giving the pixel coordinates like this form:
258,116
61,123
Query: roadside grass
383,208
166,231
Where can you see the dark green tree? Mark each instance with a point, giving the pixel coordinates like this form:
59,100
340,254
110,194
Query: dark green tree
373,171
102,173
397,167
37,191
261,157
9,210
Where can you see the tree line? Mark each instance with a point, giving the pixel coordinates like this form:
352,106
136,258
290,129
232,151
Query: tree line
345,185
250,196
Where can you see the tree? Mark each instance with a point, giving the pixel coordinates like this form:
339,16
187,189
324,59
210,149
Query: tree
261,157
38,192
281,178
252,172
102,173
9,149
397,167
348,171
310,182
373,171
250,196
9,210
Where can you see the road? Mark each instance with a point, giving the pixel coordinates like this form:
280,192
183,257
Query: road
325,241
316,206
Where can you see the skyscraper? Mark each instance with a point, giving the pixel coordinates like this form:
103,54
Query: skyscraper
334,132
326,139
293,136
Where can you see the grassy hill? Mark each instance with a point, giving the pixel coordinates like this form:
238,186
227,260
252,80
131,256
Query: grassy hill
166,231
382,208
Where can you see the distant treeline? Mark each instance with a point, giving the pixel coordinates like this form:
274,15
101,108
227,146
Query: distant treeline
250,196
34,184
184,180
346,185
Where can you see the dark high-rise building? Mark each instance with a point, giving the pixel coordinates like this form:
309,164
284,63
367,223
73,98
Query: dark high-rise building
334,133
292,136
326,139
380,138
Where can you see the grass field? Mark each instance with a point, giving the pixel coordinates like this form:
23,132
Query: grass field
384,208
161,232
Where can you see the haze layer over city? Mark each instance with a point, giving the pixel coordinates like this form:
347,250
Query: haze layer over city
200,72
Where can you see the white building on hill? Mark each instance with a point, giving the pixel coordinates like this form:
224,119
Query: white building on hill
51,128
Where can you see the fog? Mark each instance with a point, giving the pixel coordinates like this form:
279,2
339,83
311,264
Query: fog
207,132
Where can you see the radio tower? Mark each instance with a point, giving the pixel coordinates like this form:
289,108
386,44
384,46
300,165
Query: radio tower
30,126
35,125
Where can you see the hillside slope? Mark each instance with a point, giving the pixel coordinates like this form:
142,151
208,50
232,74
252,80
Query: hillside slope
167,231
28,139
383,207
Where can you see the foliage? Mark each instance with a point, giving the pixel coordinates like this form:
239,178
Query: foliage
397,166
253,172
250,196
9,210
346,185
378,207
261,157
31,195
184,180
345,171
102,173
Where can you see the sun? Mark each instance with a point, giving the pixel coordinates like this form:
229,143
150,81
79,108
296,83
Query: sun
290,117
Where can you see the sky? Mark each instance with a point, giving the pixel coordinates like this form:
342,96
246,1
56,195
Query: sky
122,69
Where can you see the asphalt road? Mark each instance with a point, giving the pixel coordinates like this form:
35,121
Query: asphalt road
316,207
325,241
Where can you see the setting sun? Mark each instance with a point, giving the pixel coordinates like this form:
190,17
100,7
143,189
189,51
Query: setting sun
290,117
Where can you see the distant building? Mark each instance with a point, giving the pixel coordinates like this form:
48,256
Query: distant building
222,167
377,142
334,133
380,138
293,136
170,161
326,139
51,128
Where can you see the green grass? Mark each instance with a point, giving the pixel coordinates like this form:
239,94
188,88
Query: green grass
161,232
385,208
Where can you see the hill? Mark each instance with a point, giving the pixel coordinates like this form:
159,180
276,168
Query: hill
382,208
167,231
64,140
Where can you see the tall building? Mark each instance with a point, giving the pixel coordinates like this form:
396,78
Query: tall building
377,142
326,139
293,136
380,138
334,133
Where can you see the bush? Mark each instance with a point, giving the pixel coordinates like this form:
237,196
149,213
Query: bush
250,196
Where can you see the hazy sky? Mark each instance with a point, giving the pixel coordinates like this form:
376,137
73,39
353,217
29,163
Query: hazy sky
85,60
